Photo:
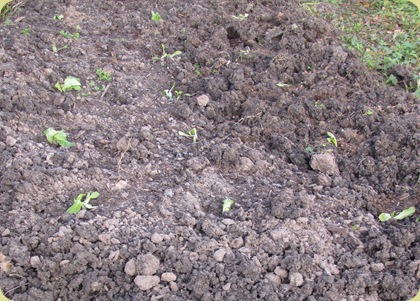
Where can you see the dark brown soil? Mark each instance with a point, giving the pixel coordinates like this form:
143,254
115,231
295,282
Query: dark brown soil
304,224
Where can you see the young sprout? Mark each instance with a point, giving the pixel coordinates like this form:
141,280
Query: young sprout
58,137
368,112
103,75
78,203
70,83
332,139
166,55
168,92
383,217
281,85
192,134
227,204
240,17
58,17
156,16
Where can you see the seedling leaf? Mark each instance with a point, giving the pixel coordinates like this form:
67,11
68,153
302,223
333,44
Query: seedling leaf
227,205
383,217
191,134
156,16
3,297
332,139
3,3
405,213
72,82
78,204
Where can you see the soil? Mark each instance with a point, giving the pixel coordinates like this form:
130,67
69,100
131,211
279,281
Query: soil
262,94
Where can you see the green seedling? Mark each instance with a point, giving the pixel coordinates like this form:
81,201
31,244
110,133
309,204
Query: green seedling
168,92
281,85
156,16
57,137
103,75
165,55
68,35
70,83
383,217
368,112
332,139
78,203
3,297
26,31
355,227
3,3
240,17
197,69
55,49
192,134
310,150
227,204
58,17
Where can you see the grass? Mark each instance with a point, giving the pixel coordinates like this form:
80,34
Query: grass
384,32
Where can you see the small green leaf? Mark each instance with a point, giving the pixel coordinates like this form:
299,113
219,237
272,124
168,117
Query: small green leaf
332,139
227,205
49,133
94,195
72,82
3,297
65,143
405,213
76,207
156,16
383,217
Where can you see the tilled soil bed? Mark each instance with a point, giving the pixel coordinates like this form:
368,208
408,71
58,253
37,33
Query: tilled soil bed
263,83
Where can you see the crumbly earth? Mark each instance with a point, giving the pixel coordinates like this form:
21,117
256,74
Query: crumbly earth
262,94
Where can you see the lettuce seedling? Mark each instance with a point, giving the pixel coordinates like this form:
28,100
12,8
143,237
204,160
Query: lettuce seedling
165,55
156,16
192,134
78,203
227,204
58,137
70,83
332,139
383,217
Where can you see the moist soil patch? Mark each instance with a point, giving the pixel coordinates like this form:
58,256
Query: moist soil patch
262,91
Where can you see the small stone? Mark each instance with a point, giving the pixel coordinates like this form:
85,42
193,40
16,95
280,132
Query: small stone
219,255
227,286
281,272
173,286
245,164
377,267
203,100
5,233
325,163
130,267
120,185
168,277
296,279
156,238
273,278
10,141
237,243
146,282
105,238
35,261
147,264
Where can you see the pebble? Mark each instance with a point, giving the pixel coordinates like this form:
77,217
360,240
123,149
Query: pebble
237,243
10,141
296,279
35,261
281,272
325,163
147,264
130,267
203,100
377,267
219,255
146,282
168,277
156,238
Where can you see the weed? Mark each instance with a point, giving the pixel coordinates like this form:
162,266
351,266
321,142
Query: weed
310,150
58,17
197,69
78,203
7,22
355,227
281,85
392,80
55,49
319,105
68,35
103,75
58,137
70,83
383,217
368,112
3,3
172,94
26,31
331,139
3,297
165,55
192,134
227,204
156,16
240,17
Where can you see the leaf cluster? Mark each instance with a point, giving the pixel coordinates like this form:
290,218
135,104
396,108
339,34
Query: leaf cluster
79,204
58,137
